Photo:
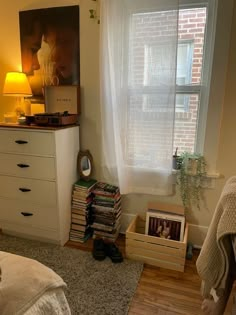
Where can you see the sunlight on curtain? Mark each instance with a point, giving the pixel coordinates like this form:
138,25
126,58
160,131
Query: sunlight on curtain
137,73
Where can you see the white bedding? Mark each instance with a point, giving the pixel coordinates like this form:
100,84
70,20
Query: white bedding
29,287
52,302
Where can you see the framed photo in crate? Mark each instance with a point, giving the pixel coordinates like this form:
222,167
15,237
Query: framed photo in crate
165,225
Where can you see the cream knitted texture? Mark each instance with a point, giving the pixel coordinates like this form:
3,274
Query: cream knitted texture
216,254
24,281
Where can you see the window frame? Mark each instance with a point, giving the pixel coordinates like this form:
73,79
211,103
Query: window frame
213,75
202,88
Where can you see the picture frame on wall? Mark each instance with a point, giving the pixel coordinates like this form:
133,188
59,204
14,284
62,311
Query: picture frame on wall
165,225
50,47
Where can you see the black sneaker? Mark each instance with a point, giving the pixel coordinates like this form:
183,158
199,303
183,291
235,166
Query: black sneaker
99,251
113,252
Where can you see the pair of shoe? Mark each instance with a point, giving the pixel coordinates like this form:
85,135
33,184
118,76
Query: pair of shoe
102,249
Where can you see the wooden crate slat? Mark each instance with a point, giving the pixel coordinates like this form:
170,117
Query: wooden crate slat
140,224
153,250
157,263
155,240
156,255
163,249
140,230
175,209
185,240
132,226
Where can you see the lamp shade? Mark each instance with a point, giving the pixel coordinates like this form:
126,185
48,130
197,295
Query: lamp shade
16,84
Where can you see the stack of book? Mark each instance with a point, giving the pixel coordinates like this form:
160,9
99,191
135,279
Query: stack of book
82,198
106,211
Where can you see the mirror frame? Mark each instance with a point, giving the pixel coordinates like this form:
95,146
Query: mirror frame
82,154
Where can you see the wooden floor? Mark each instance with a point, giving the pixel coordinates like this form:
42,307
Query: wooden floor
161,291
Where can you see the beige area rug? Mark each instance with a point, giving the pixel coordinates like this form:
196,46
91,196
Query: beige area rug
94,287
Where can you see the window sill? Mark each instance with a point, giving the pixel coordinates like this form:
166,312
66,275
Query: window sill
209,180
208,175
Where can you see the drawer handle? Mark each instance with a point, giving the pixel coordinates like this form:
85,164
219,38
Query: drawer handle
26,214
24,189
21,141
21,165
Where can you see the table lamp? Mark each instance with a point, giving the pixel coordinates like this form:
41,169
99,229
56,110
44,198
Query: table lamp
16,84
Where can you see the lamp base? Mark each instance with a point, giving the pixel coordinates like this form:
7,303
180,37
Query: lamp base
10,118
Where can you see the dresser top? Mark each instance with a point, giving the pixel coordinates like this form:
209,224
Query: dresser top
16,125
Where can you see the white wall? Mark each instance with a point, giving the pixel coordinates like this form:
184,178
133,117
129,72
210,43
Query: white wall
90,117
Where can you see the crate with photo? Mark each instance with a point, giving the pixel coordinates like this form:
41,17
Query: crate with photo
160,237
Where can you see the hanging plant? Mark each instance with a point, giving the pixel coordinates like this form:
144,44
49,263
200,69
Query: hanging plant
191,171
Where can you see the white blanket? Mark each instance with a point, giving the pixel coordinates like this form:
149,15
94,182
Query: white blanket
52,302
23,282
216,260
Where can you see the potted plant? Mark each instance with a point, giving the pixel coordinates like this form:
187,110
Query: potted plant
175,160
192,169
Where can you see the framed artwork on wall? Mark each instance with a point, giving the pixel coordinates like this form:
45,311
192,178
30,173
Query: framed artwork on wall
50,52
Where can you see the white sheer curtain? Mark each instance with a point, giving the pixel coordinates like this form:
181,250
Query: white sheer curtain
138,48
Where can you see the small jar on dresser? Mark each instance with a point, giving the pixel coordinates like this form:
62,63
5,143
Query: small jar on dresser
38,167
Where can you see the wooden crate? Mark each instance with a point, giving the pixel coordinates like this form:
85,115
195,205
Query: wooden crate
154,250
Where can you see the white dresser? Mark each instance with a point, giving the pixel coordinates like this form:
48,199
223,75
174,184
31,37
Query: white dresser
38,167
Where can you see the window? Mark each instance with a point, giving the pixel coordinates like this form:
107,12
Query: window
151,53
190,51
184,72
153,87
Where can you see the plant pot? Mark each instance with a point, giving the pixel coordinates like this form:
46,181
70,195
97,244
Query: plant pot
191,166
175,162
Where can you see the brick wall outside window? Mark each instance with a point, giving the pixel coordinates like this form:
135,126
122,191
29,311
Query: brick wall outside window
191,27
147,28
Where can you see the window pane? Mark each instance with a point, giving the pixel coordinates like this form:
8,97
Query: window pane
150,48
182,103
192,24
150,131
147,65
186,125
156,63
152,44
185,62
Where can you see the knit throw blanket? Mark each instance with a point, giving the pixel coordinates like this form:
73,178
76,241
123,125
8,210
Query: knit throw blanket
23,282
216,256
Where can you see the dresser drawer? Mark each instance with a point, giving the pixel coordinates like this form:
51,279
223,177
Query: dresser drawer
28,142
28,166
31,190
27,213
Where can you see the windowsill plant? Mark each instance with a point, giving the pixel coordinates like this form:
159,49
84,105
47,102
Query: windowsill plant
191,171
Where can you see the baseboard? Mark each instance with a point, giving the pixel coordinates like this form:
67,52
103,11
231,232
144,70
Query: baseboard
196,234
29,236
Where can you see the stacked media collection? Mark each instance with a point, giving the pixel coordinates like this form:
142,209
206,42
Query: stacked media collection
82,198
106,211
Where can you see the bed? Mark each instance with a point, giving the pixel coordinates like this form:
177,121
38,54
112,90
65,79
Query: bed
30,288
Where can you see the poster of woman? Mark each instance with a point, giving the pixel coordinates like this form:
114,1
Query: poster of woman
49,40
